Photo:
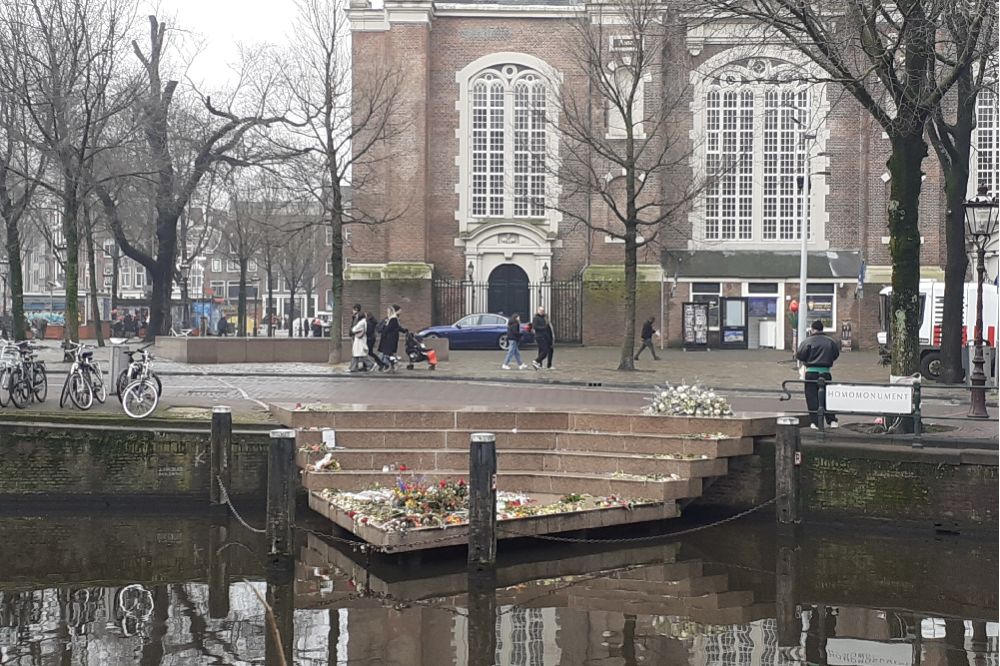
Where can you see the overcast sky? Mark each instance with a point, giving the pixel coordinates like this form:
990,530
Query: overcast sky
223,23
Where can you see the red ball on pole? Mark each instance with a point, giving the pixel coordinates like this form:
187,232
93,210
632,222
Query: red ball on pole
794,306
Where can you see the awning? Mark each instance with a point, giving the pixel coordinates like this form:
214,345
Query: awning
757,265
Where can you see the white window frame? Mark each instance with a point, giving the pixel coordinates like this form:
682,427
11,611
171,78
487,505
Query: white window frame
761,70
125,275
615,122
232,266
216,286
510,70
216,265
985,167
251,266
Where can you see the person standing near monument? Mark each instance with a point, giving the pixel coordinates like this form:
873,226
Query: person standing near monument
818,353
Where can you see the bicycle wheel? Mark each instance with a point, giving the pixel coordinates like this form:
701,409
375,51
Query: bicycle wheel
20,388
80,391
125,377
140,399
64,394
97,383
159,384
39,384
5,384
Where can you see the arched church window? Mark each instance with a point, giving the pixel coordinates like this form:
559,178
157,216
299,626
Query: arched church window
509,143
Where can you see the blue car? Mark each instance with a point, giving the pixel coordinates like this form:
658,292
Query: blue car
478,331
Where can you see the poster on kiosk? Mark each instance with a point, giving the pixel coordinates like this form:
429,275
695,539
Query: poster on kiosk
695,326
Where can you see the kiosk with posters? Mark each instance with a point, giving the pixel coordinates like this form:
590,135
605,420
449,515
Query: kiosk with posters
733,323
695,326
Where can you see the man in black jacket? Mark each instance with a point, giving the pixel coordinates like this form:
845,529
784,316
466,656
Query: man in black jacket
817,353
647,339
542,329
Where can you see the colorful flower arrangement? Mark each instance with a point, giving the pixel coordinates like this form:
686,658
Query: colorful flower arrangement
685,400
440,503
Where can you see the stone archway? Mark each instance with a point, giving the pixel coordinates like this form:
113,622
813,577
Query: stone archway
508,290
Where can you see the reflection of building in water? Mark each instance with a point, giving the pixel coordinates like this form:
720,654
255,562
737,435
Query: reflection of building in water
525,637
750,644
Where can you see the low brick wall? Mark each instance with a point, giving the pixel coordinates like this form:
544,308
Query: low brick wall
36,459
873,481
210,350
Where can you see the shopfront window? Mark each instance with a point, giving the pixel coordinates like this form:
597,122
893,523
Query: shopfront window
708,292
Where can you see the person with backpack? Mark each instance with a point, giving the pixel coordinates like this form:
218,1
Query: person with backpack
514,335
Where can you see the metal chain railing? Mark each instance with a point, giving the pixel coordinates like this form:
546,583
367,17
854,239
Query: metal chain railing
228,502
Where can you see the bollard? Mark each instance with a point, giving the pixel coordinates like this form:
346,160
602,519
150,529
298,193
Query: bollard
281,472
788,471
483,499
218,572
221,454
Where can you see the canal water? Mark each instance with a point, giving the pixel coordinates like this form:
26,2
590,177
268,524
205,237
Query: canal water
170,587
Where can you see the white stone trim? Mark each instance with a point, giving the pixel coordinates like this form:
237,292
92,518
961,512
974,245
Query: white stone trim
508,11
553,79
523,245
819,109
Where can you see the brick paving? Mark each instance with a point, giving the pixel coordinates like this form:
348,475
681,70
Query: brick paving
751,380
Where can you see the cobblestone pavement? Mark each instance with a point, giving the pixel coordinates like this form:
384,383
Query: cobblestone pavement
751,381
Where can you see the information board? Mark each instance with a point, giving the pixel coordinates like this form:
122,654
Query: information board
869,399
695,325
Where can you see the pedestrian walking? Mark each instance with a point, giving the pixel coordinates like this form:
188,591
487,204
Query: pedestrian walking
356,314
514,335
388,344
818,353
223,327
370,334
647,339
542,329
359,346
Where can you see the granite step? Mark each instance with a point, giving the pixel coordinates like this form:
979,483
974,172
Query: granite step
535,440
351,417
520,460
554,483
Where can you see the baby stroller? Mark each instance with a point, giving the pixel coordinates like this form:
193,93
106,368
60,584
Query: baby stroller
417,351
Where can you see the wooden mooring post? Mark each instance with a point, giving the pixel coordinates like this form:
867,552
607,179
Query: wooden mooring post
279,635
281,474
218,571
221,454
789,614
788,471
483,500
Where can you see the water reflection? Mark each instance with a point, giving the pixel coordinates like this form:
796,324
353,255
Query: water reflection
715,598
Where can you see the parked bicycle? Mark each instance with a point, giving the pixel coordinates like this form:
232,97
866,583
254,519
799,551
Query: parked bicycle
140,396
137,359
85,381
22,378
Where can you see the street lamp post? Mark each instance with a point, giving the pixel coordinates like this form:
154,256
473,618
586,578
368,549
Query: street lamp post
472,287
981,218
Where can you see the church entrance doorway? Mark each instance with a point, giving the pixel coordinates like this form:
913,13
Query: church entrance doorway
508,291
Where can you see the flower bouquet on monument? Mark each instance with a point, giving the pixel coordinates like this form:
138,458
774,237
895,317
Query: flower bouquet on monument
686,400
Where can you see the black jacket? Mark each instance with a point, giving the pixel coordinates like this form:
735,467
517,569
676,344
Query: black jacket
389,342
647,331
540,325
370,334
818,351
514,331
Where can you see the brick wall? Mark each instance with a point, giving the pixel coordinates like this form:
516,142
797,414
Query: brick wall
70,461
845,481
604,310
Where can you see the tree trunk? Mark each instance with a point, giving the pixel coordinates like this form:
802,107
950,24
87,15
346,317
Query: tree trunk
71,232
908,152
92,265
291,307
241,306
16,279
159,305
627,361
337,288
952,319
270,302
116,260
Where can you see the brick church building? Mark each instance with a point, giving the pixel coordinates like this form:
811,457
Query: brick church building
482,228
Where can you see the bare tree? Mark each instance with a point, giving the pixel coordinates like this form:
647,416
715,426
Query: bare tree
620,144
346,116
886,56
951,136
173,184
21,167
71,85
